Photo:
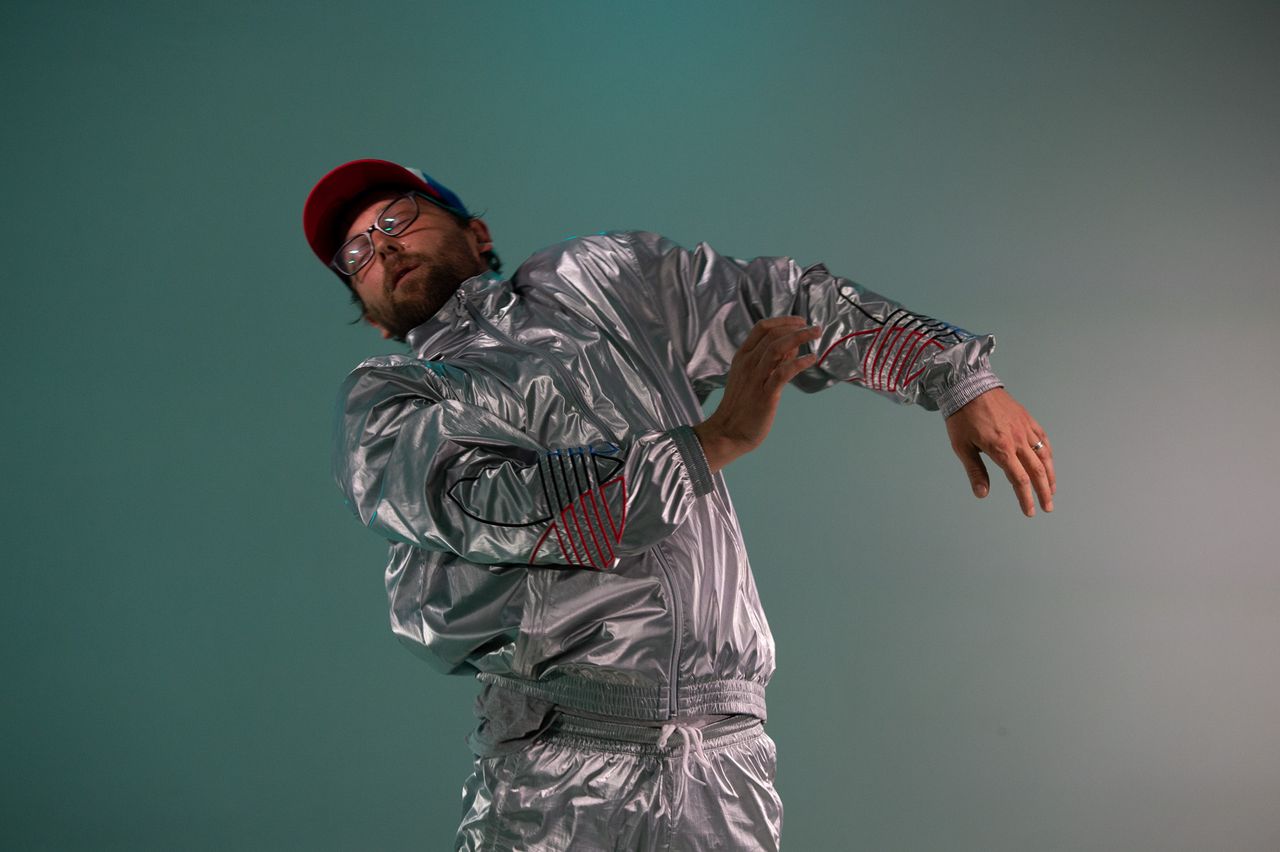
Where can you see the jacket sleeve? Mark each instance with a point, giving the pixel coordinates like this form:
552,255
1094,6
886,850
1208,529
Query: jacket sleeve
419,465
710,302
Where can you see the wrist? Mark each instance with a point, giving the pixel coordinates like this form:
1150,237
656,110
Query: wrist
967,390
718,449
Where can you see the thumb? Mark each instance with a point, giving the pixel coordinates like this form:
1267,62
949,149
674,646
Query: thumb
977,471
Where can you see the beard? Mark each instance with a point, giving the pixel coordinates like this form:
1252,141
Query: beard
423,291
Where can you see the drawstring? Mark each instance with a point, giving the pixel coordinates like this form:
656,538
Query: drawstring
692,738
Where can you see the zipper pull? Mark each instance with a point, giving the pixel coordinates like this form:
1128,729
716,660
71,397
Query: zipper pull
462,302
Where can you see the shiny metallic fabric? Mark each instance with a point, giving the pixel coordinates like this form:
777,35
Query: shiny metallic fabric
553,524
554,527
589,785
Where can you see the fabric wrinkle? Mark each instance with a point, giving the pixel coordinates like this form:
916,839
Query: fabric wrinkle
555,529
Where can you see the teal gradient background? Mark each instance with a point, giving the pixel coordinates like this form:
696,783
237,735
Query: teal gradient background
196,647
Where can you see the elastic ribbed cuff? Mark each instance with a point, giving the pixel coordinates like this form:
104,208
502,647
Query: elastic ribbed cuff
966,390
695,460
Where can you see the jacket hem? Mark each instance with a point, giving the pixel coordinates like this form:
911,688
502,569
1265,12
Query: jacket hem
650,703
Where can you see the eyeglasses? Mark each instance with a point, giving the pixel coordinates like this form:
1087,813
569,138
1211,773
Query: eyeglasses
393,220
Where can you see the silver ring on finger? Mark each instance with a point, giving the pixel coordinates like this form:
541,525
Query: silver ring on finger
1038,446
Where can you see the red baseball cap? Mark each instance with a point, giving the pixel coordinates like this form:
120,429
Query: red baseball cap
339,187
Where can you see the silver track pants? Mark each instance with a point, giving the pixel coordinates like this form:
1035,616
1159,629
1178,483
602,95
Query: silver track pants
593,785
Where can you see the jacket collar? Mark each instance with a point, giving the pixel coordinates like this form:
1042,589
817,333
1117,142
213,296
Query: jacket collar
489,292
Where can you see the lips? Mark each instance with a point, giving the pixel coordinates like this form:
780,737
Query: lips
395,282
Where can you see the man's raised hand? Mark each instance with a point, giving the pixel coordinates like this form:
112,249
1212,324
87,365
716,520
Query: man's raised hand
764,363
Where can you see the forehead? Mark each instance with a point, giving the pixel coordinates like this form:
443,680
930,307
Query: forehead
358,213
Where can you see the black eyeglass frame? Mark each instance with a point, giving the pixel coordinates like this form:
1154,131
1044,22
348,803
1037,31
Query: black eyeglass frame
336,263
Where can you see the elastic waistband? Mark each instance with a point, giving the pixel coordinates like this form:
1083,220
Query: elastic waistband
621,738
639,702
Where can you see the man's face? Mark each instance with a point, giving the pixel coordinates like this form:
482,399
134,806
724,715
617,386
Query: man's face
436,251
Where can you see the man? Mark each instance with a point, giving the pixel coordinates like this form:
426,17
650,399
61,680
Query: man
551,493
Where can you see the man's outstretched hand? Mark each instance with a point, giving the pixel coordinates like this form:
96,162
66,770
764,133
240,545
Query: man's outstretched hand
994,423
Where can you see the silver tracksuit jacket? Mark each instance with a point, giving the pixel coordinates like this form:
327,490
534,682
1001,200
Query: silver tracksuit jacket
554,526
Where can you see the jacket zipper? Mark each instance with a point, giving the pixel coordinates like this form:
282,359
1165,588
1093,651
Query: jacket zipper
678,624
678,628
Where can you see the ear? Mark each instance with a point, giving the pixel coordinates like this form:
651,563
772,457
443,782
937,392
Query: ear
480,231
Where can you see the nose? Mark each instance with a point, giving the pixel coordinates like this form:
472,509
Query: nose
384,244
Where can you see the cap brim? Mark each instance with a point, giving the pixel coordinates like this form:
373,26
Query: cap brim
338,188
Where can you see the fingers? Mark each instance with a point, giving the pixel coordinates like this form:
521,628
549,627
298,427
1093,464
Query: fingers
1038,461
1034,467
1011,464
977,471
791,369
770,348
1027,474
764,328
1045,454
760,368
781,349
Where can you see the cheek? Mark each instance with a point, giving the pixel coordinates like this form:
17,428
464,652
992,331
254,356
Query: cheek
368,289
